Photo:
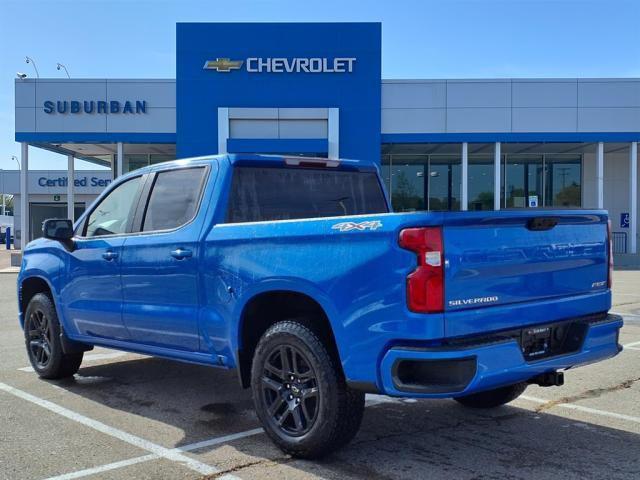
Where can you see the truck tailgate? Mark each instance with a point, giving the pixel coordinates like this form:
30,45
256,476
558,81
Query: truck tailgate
519,259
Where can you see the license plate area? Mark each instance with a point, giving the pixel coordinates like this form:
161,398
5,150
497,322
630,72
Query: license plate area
536,342
546,341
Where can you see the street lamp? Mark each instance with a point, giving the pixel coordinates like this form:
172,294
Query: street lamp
61,65
30,60
17,161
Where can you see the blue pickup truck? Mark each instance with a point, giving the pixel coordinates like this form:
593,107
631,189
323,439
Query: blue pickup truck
295,272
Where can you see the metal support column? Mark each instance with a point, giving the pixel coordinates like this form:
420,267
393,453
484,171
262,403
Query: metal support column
223,129
464,187
633,197
600,175
24,195
496,178
70,188
119,159
4,203
333,126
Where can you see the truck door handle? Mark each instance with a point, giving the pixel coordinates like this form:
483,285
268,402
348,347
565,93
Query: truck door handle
109,256
181,253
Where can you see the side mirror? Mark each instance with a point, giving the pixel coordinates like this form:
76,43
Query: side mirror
57,229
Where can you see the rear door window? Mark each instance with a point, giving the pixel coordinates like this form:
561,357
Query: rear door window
174,199
268,193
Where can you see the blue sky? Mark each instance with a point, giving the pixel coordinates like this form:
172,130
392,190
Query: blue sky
421,39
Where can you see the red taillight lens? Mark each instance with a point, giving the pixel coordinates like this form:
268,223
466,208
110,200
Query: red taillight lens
610,242
425,285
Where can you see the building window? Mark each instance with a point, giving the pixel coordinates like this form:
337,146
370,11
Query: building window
549,180
522,180
428,176
407,181
563,175
134,161
481,181
423,181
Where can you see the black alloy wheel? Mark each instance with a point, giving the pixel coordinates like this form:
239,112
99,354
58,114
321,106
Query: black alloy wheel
38,329
300,393
290,390
42,335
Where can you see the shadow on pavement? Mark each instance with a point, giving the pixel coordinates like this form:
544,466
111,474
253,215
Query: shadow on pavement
403,439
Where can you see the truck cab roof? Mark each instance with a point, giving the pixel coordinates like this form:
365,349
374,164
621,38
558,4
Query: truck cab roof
265,160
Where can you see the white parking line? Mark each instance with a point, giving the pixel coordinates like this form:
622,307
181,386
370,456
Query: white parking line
624,314
632,346
371,400
146,458
169,454
92,357
594,411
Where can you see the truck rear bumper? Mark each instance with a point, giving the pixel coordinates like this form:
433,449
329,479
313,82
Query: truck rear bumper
450,371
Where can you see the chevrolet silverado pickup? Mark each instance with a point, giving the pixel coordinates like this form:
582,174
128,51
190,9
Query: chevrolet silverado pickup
295,272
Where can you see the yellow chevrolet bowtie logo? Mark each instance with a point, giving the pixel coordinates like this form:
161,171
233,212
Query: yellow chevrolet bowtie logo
223,64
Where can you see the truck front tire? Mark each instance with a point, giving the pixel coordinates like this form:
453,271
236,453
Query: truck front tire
42,339
300,395
493,398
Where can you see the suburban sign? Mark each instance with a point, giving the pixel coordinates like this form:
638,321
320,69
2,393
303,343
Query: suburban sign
284,65
95,106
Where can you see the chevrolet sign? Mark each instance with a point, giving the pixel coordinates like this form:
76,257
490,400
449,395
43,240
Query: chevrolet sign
284,65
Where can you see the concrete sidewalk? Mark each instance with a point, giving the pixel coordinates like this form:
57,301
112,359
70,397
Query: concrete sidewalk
10,260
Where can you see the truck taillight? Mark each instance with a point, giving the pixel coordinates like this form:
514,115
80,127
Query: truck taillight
610,245
425,285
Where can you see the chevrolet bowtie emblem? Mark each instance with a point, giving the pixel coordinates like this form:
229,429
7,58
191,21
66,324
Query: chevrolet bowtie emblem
223,64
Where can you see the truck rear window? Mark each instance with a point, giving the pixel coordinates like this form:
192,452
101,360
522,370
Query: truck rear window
268,193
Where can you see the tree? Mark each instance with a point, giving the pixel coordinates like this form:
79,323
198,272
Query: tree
8,205
405,196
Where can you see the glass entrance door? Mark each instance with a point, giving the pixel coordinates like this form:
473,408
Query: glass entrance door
523,181
563,181
443,183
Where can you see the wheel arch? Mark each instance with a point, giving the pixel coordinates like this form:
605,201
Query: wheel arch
269,307
30,286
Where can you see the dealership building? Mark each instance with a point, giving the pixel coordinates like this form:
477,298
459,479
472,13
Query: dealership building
316,89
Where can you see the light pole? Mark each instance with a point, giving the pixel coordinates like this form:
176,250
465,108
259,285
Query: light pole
61,66
17,161
30,60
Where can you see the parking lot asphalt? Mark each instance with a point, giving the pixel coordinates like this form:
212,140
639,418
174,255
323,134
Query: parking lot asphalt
127,416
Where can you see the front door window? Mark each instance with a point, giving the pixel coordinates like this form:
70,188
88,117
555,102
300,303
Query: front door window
111,215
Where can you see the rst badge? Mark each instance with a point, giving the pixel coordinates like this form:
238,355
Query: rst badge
357,226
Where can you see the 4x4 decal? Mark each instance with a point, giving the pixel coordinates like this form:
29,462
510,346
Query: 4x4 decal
360,226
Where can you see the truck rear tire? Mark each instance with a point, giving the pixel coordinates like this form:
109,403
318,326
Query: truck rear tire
42,339
493,398
300,395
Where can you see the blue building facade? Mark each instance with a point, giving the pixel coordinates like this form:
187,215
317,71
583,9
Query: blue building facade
283,66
